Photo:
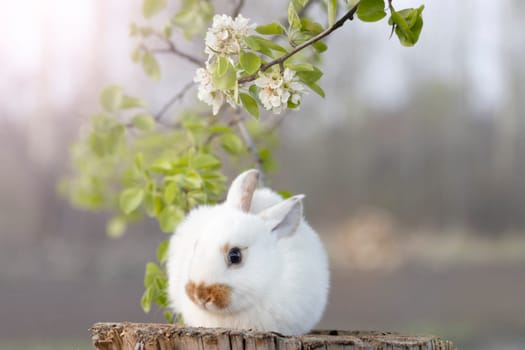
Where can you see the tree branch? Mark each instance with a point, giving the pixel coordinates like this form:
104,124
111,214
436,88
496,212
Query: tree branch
280,60
237,8
252,148
171,101
173,50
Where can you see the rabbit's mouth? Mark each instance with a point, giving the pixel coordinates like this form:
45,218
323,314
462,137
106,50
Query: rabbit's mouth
211,297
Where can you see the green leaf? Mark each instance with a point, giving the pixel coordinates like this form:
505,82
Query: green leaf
225,81
144,121
111,98
232,144
316,88
153,203
408,24
309,77
293,18
151,66
250,62
222,65
301,67
273,28
258,43
194,17
130,199
250,104
162,251
153,272
285,194
310,26
371,10
152,7
320,46
147,298
192,181
332,11
170,192
205,161
116,227
168,315
132,102
169,218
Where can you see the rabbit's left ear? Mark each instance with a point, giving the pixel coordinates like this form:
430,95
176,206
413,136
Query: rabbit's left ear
241,190
284,217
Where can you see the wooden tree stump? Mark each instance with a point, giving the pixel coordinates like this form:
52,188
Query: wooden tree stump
143,336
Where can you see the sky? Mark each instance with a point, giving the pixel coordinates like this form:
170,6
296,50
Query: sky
49,51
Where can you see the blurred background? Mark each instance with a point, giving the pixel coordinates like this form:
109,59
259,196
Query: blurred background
413,166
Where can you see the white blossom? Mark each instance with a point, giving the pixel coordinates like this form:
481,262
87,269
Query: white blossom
277,89
226,35
208,93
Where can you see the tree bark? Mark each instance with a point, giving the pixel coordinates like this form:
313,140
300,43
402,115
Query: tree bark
143,336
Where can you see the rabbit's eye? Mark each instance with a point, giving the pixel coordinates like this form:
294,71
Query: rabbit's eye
234,256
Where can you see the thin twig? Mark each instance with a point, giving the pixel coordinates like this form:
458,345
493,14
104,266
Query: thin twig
173,49
238,8
172,100
280,60
252,148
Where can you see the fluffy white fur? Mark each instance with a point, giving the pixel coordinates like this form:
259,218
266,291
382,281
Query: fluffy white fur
282,284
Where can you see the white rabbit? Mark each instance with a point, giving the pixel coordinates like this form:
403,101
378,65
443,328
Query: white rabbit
251,262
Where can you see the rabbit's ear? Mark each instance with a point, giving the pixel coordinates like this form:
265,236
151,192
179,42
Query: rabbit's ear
284,217
241,190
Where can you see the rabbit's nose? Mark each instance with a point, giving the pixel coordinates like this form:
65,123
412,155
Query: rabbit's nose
206,295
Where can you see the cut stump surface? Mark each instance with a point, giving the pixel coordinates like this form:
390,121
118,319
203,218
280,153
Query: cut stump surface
145,336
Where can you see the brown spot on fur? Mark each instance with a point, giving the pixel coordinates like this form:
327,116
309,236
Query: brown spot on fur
217,294
225,248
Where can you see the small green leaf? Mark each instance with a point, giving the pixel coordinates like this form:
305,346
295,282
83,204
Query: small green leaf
169,218
301,67
250,62
153,203
311,27
162,251
285,194
170,192
111,98
316,88
147,298
144,121
258,43
151,66
309,77
132,102
371,10
225,81
205,161
320,46
232,144
273,28
250,104
116,227
130,199
168,315
222,65
293,18
192,181
408,24
152,7
332,11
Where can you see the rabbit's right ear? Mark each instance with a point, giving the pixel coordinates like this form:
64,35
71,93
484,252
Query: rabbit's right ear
241,190
284,217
